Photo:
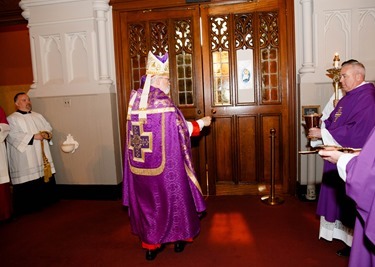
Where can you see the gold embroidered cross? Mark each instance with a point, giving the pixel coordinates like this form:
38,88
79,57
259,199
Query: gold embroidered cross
140,142
338,114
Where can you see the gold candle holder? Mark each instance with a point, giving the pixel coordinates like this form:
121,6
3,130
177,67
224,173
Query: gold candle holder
334,74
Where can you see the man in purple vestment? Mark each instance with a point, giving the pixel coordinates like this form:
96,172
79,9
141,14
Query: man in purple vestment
161,191
359,175
348,125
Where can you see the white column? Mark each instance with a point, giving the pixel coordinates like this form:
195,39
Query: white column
307,37
33,63
101,7
26,15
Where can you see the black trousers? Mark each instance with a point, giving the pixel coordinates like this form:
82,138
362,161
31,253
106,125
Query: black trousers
34,195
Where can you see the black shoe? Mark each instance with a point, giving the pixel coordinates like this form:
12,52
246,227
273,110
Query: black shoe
179,246
345,252
151,254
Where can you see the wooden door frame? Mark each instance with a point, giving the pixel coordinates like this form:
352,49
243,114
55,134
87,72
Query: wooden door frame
292,97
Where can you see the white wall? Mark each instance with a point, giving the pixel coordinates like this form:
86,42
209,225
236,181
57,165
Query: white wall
322,29
73,68
92,121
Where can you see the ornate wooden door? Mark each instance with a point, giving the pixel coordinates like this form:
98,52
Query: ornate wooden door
226,60
245,82
176,31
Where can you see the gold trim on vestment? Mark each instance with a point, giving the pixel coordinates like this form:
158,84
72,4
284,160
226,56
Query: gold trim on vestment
136,141
338,114
160,169
153,111
193,178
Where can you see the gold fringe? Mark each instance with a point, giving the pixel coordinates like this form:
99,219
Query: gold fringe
47,165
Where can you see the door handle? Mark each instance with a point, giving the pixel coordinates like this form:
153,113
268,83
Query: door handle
213,111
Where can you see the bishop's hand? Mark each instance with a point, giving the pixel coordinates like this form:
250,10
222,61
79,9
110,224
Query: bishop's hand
206,120
314,133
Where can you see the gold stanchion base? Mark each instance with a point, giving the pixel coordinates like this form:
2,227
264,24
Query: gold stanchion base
272,200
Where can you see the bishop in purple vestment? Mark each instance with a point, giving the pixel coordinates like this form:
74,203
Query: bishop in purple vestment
348,125
359,174
161,191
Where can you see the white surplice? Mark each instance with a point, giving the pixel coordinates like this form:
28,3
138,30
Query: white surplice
4,175
26,161
331,230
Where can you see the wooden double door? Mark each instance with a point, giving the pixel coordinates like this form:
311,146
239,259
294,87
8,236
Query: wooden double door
229,61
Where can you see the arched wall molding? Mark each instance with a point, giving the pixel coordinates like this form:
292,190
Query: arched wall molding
92,21
78,56
363,14
344,17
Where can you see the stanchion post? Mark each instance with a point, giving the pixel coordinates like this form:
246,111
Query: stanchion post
272,199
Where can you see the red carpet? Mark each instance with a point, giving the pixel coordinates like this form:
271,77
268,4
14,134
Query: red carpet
237,231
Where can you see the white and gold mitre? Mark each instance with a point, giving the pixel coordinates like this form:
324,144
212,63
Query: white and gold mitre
156,66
